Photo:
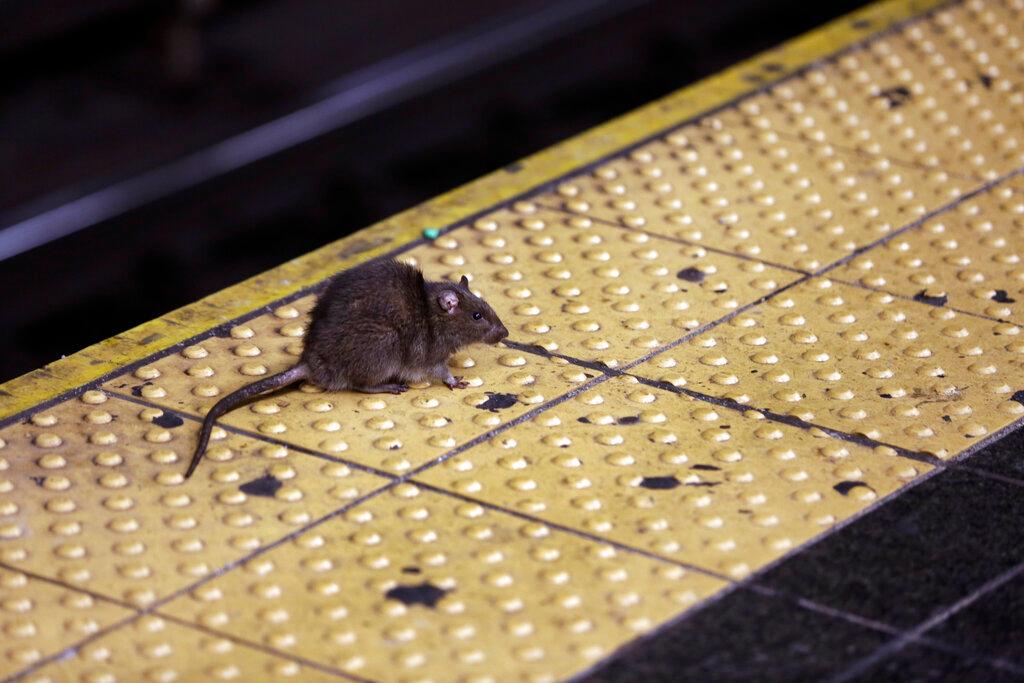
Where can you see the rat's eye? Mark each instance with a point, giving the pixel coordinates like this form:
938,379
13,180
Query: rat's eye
477,315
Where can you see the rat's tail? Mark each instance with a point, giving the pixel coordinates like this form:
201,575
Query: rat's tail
237,398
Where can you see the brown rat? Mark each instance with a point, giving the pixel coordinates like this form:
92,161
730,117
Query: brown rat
375,329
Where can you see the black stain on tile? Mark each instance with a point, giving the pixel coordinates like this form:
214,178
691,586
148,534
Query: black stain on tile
496,401
691,274
896,97
986,81
1001,297
137,389
708,484
628,420
411,570
947,418
266,486
38,480
931,300
426,594
844,487
660,483
584,420
168,420
709,468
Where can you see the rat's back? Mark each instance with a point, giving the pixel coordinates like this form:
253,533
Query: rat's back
364,325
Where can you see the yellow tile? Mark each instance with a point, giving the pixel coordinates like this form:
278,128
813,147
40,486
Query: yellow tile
595,291
906,373
969,257
682,478
153,650
940,94
733,182
39,619
475,594
91,494
391,433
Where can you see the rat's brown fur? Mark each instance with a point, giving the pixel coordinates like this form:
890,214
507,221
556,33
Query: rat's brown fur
375,329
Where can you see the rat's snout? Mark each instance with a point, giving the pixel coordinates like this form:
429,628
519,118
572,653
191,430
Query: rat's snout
498,332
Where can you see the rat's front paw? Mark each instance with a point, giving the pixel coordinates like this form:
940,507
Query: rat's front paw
456,383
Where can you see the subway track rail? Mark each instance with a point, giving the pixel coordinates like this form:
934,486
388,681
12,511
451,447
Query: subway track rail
756,418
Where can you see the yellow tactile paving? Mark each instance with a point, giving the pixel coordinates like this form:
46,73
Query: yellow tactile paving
390,433
732,182
612,506
38,619
91,494
933,94
593,291
155,650
969,257
905,373
475,594
681,478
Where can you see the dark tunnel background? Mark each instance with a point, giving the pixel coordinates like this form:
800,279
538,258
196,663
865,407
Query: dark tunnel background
96,93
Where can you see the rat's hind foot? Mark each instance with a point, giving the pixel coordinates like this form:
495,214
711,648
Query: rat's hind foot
384,389
456,382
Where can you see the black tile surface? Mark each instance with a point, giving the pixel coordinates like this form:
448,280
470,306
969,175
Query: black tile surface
993,624
1005,457
745,636
915,555
917,663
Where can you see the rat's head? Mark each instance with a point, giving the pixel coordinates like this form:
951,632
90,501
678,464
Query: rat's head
469,317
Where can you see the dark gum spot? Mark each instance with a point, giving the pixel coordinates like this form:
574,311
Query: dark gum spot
660,483
844,487
426,594
168,421
265,486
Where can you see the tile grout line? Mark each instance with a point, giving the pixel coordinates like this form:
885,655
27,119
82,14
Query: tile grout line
181,622
872,156
898,643
466,221
730,404
904,297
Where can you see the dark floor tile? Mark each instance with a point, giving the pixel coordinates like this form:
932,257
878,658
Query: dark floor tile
1005,456
917,663
916,554
745,636
993,624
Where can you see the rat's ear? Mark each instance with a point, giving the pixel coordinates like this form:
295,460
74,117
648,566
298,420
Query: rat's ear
464,282
448,301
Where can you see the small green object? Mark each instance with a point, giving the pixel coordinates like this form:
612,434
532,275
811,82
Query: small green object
431,233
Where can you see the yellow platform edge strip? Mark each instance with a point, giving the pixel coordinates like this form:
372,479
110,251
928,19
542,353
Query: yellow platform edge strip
75,371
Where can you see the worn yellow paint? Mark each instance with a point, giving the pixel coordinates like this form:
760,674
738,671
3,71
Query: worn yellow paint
107,356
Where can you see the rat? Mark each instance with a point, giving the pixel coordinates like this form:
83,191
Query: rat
375,329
